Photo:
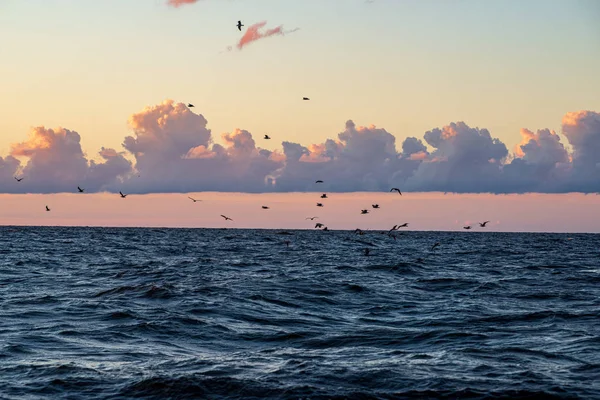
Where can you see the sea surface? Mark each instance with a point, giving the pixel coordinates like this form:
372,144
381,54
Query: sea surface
113,313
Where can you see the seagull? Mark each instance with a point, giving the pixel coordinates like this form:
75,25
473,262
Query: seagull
239,25
435,245
47,209
467,227
122,195
404,225
190,105
267,137
305,98
194,200
375,205
226,218
324,196
364,211
319,225
319,204
483,224
319,181
311,218
80,189
265,207
18,179
397,190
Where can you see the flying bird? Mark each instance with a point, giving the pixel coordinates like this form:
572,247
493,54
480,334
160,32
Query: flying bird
194,200
483,224
190,105
18,179
122,195
435,245
395,228
239,25
80,189
324,196
467,227
305,98
265,207
364,211
319,181
226,218
404,225
267,137
47,209
319,204
311,218
397,190
375,205
319,225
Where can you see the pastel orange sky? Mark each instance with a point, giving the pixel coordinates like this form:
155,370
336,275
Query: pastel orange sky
423,211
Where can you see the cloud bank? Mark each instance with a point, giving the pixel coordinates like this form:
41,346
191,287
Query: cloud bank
171,149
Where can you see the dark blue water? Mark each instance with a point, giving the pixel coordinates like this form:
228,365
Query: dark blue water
180,313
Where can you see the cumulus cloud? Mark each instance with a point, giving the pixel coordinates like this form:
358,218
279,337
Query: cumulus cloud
173,150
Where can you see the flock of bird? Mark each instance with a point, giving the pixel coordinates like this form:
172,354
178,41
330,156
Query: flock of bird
318,225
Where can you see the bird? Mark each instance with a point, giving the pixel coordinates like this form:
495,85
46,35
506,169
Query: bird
404,225
375,205
319,204
305,98
319,225
265,207
47,209
122,195
226,218
18,179
435,245
324,196
364,211
267,137
80,189
395,228
359,231
319,181
483,224
190,105
311,218
194,200
239,25
397,190
467,227
325,229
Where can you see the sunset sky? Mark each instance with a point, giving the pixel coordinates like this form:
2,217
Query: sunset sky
485,99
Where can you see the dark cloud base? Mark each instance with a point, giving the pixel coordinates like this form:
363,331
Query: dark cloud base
171,150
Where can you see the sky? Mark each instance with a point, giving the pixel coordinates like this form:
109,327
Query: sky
462,96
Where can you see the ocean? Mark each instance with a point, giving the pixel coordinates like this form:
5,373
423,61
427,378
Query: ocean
123,313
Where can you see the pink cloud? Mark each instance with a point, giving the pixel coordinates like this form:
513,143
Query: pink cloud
253,34
179,3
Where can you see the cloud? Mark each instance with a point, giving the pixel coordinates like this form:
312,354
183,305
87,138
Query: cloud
253,33
172,149
179,3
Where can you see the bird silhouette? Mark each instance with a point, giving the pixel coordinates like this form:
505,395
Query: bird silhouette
467,227
267,137
364,211
375,205
239,25
190,105
435,245
394,228
305,98
226,218
326,229
324,196
404,225
483,224
397,190
319,204
47,209
265,207
311,218
319,225
18,179
122,195
194,200
319,181
80,189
